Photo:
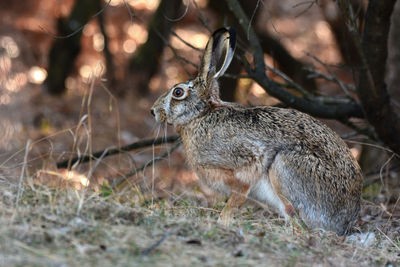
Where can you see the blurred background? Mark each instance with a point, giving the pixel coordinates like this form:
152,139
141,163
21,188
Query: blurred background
80,76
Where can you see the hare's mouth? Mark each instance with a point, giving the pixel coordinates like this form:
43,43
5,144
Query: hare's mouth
159,115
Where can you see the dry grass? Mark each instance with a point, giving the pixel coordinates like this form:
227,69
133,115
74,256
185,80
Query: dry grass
45,227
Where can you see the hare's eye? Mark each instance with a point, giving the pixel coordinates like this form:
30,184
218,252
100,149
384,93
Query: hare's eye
178,92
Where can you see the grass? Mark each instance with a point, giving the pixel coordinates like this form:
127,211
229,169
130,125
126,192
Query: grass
47,228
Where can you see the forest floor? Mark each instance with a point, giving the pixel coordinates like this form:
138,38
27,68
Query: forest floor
42,226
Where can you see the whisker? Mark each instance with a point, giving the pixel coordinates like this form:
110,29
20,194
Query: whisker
165,136
153,167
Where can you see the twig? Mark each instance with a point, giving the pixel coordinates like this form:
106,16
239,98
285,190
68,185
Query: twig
258,55
180,17
316,74
373,177
288,80
252,17
186,43
89,176
309,6
107,54
118,181
236,76
335,79
388,238
202,18
110,152
395,103
77,30
131,15
349,135
375,146
148,250
369,132
28,144
307,94
181,59
383,166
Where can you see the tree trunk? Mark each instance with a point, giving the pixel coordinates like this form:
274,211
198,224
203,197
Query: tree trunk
65,50
145,62
372,89
393,66
341,32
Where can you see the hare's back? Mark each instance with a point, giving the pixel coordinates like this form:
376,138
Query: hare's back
276,125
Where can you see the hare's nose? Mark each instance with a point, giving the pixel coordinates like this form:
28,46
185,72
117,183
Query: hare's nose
152,112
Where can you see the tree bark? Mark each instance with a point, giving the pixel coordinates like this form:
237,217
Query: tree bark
65,50
372,90
337,23
146,61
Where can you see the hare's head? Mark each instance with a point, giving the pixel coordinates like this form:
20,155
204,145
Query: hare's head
186,101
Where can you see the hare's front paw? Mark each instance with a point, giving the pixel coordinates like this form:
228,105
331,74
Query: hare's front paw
225,216
236,199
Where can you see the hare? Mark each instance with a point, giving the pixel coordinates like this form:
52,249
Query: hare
280,157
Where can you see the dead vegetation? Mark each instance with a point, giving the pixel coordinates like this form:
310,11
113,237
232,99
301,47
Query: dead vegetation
46,226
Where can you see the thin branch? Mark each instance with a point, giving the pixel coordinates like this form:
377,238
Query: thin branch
308,95
181,59
352,109
252,17
148,250
110,152
331,78
202,18
258,54
236,76
180,17
374,176
107,54
309,4
369,132
79,28
131,14
288,80
335,79
186,43
118,181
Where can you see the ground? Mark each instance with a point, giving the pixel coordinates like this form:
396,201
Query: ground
41,226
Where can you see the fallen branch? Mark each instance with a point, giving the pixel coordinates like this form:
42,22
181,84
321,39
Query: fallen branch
148,250
110,152
118,181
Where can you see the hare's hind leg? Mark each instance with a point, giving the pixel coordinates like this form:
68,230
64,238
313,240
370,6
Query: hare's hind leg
298,180
238,196
286,208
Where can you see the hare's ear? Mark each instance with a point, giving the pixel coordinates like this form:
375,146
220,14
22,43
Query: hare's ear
218,54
